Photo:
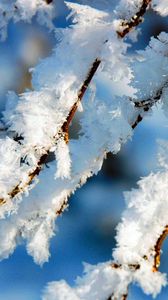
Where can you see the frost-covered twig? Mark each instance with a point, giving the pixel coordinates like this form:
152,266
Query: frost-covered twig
147,104
135,20
81,93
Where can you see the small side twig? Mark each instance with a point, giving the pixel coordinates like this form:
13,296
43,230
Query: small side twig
158,248
148,103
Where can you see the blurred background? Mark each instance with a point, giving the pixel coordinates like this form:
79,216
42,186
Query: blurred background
86,232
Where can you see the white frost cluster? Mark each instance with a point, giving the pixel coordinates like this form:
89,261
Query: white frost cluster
99,282
145,220
153,64
112,106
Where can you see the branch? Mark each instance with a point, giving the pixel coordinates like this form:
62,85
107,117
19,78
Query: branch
19,188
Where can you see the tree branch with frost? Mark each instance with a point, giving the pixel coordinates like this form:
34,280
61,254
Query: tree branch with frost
21,186
147,104
140,236
54,104
147,236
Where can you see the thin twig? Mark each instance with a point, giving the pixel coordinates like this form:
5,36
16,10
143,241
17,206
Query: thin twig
83,89
148,103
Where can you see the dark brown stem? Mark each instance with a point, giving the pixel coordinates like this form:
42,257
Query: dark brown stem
137,121
81,93
158,248
48,1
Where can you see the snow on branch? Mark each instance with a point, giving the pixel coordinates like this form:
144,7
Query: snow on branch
44,150
38,124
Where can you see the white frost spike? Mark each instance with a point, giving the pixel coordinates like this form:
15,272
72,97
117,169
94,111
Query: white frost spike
38,234
63,159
